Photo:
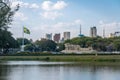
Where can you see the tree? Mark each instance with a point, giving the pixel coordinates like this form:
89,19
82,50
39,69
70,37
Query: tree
46,45
6,18
6,14
98,43
20,40
117,45
30,47
60,46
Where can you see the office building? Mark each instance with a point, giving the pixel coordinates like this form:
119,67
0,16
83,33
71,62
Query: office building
57,38
66,35
48,36
93,32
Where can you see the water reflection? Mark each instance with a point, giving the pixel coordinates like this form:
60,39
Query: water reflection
34,70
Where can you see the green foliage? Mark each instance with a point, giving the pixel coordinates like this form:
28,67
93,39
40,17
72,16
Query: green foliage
20,40
29,47
6,17
6,14
117,44
98,43
6,38
60,46
46,45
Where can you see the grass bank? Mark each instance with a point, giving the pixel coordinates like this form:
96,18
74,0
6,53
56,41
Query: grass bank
68,58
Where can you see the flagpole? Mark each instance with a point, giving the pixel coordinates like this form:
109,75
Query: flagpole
23,40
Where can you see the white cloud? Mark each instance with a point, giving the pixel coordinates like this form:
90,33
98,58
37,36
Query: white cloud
49,5
110,27
59,5
67,24
51,9
24,4
34,6
51,15
101,22
20,16
78,21
59,27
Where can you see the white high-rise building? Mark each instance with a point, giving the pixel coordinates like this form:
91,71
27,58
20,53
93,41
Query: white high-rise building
66,35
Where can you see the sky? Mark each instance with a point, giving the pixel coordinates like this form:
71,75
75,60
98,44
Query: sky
58,16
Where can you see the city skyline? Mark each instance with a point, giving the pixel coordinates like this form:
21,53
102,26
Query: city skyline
53,16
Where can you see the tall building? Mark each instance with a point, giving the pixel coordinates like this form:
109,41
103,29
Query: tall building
57,38
62,40
66,35
48,36
93,32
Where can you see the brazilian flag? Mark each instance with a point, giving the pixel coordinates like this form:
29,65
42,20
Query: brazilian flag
27,31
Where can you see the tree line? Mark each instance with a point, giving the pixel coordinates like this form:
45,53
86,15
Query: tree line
98,43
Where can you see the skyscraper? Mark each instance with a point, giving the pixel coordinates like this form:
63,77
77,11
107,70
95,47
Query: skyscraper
57,38
48,36
66,35
93,31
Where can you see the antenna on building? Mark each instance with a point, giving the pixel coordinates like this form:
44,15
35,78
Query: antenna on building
80,29
103,32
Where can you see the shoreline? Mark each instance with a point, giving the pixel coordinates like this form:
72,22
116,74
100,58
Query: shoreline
63,58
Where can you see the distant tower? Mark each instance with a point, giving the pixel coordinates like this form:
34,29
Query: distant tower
80,35
93,31
80,29
104,32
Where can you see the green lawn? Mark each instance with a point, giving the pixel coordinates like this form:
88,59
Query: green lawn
69,58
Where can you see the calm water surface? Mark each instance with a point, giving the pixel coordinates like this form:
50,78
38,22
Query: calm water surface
36,70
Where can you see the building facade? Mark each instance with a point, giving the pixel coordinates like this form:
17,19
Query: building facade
71,48
93,32
57,38
66,35
48,36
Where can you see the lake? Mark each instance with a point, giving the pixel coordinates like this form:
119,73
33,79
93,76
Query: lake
40,70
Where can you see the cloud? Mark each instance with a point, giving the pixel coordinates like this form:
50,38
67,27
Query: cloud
51,15
59,5
110,27
67,24
34,6
24,4
48,5
20,16
59,27
51,9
